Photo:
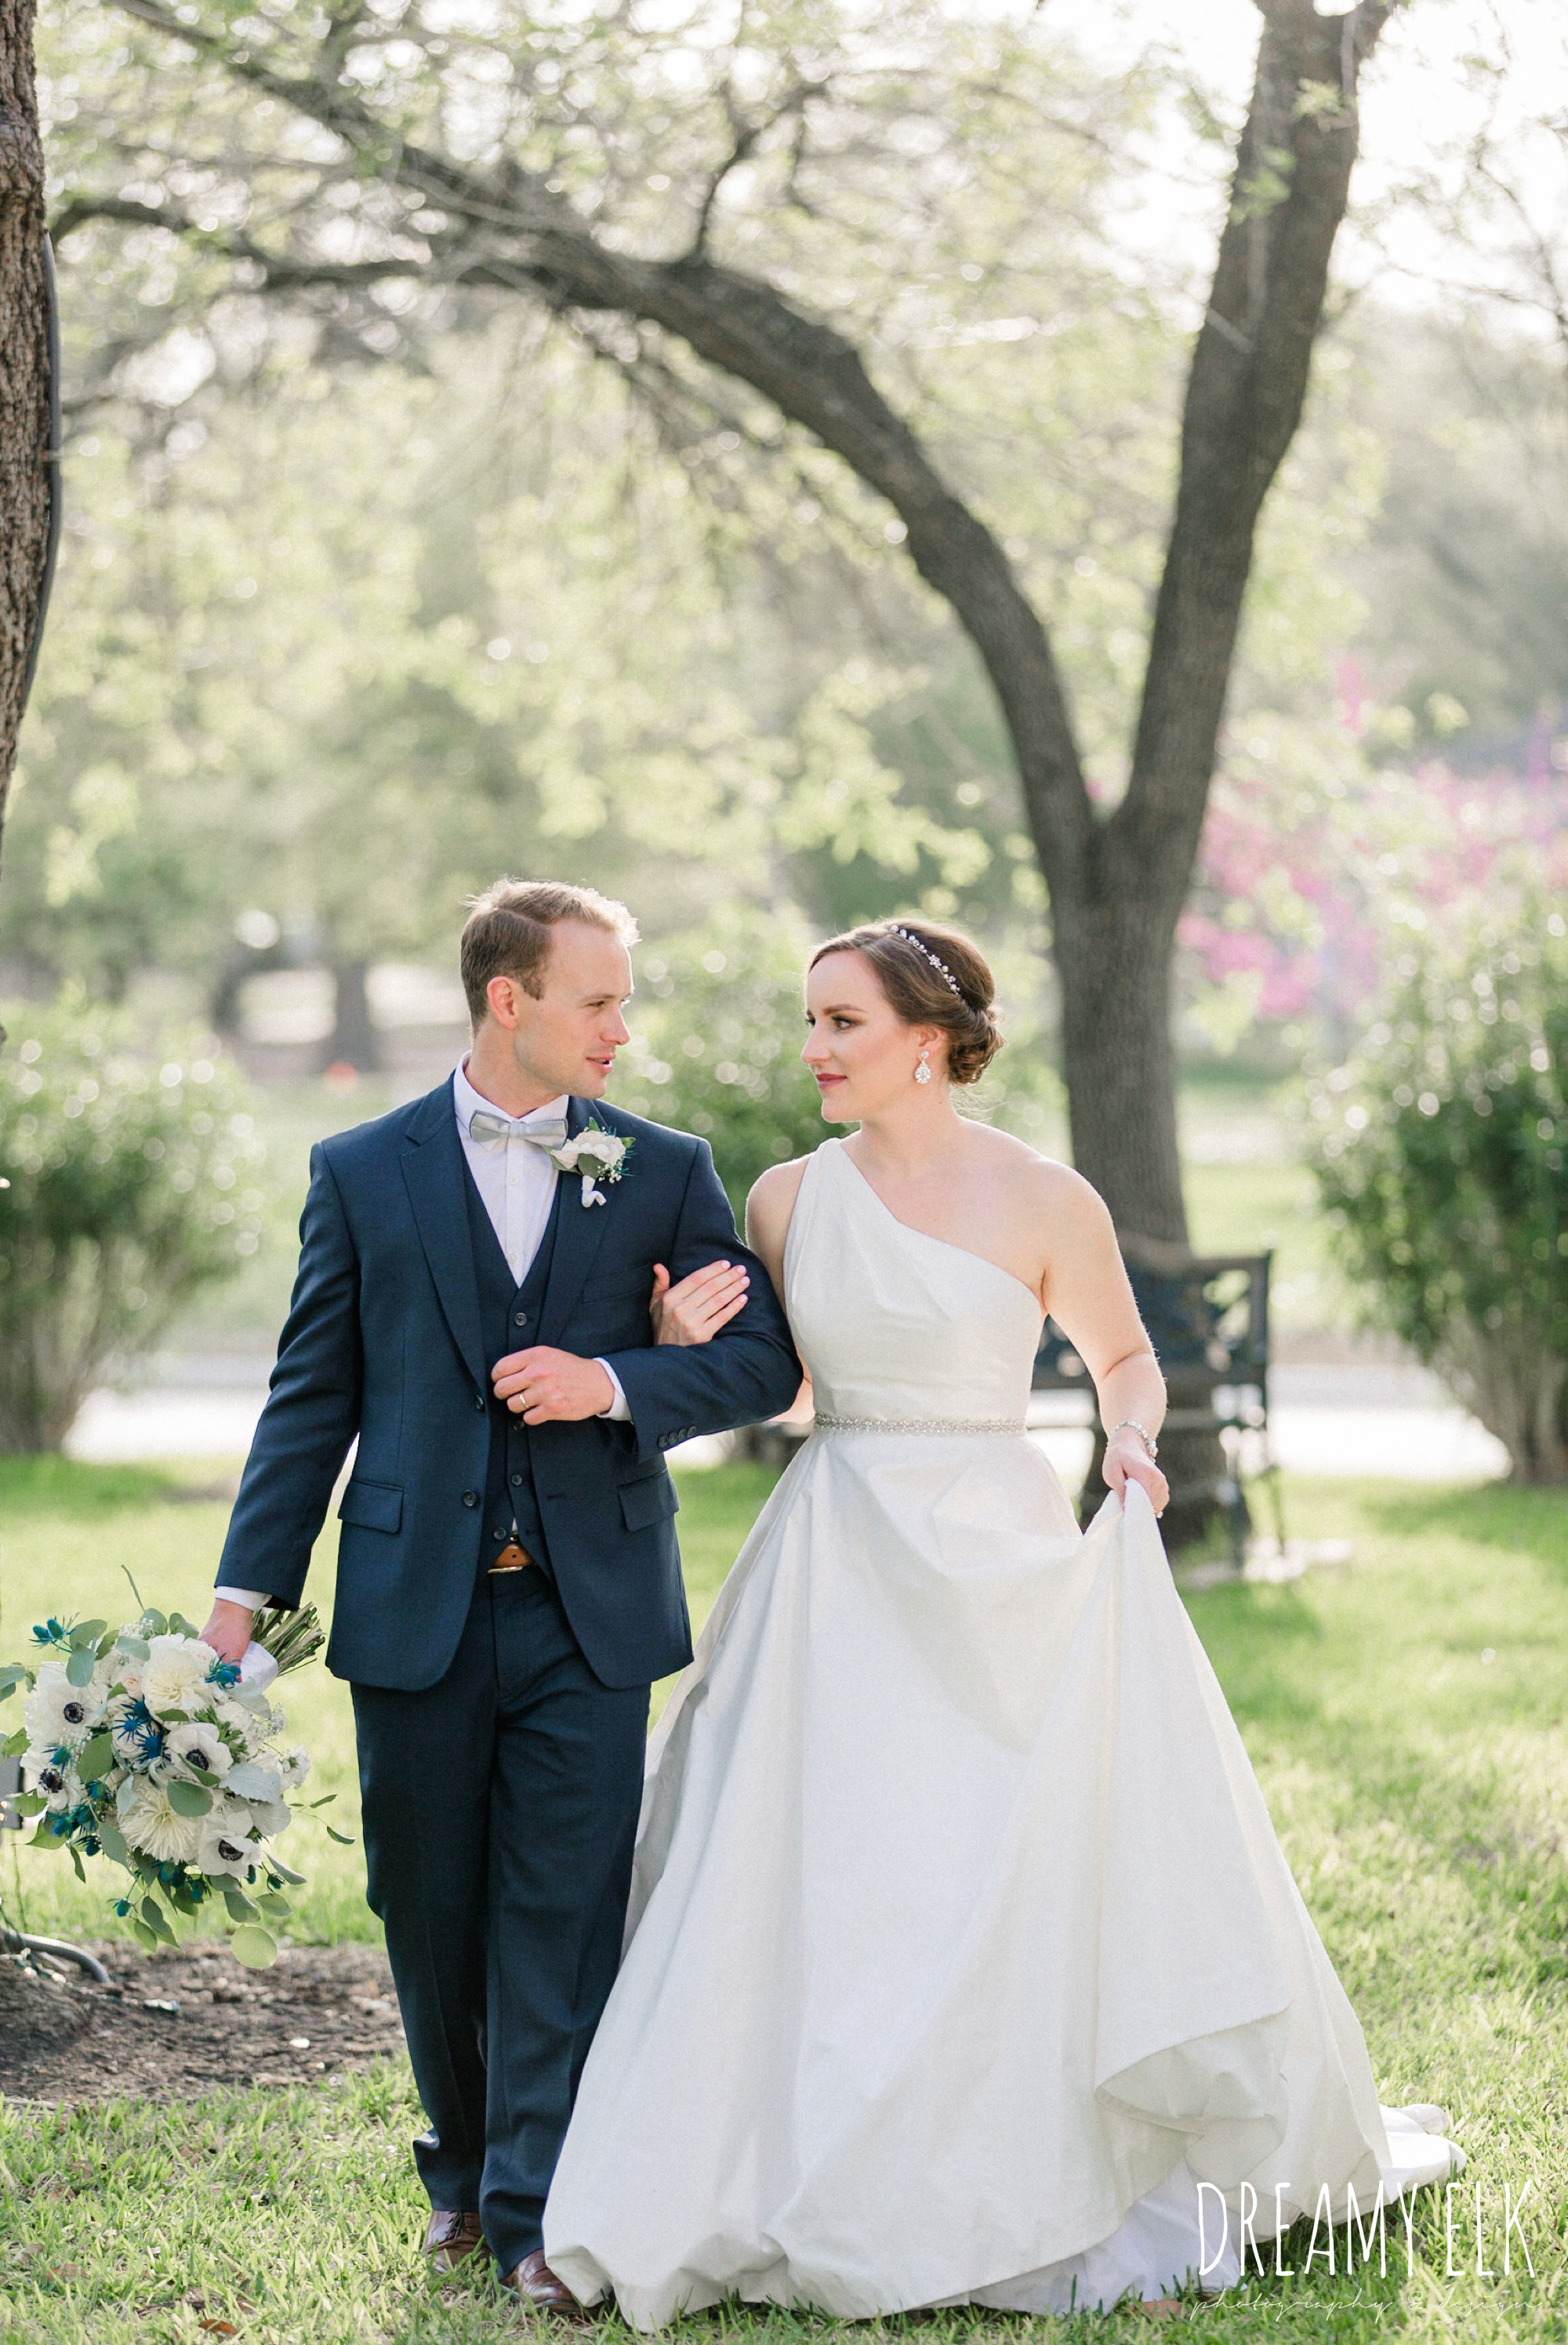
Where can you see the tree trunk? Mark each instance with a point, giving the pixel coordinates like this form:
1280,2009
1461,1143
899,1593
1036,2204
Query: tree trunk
354,1040
25,488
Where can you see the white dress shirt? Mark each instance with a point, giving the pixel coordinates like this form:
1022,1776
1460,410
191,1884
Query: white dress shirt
516,1181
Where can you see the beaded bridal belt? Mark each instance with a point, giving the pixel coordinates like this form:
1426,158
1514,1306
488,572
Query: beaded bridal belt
821,1424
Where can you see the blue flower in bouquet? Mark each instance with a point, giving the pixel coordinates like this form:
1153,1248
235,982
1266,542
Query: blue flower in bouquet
138,1736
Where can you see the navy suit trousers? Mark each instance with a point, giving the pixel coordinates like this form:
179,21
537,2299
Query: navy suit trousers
500,1811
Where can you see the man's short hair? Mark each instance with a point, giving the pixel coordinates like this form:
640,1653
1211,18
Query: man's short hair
507,932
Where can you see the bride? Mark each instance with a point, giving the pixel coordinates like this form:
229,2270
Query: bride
963,1964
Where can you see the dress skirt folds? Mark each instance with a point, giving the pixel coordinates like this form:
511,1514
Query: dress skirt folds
961,1950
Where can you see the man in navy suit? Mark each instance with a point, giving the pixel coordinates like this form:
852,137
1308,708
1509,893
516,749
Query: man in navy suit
515,1344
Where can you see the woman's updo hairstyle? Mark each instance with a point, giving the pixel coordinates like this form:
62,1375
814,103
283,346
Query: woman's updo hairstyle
932,975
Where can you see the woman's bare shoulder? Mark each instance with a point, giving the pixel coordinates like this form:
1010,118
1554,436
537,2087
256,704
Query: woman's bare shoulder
1048,1185
773,1193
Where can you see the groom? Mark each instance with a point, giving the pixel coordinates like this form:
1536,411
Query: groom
478,1316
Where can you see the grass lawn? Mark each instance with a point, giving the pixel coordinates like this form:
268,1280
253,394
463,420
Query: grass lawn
1406,1712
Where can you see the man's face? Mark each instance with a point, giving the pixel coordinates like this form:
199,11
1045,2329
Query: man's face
565,1037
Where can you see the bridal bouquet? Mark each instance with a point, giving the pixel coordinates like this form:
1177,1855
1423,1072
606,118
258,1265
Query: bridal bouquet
140,1745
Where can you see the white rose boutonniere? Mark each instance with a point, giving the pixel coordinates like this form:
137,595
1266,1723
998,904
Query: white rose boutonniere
597,1155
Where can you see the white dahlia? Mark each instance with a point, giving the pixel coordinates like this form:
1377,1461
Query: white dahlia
149,1823
175,1674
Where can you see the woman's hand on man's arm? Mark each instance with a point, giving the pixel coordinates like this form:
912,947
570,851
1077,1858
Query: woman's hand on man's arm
693,1310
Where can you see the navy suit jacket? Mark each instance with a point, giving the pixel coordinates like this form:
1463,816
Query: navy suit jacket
383,1343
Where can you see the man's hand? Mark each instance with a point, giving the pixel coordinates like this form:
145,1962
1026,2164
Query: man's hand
227,1629
543,1386
707,1300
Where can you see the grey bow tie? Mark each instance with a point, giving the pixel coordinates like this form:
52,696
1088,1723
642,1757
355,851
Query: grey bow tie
540,1131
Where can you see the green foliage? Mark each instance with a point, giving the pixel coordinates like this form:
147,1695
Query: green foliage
717,1032
130,1182
1440,1159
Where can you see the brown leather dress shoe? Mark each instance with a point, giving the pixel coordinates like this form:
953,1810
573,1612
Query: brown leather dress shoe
452,2238
536,2286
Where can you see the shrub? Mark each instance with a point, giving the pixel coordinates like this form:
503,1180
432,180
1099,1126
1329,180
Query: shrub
1441,1159
131,1181
717,1030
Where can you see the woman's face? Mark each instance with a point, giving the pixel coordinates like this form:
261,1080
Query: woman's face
860,1051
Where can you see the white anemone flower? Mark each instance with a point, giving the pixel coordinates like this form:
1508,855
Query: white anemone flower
175,1674
194,1745
61,1786
149,1823
296,1768
58,1712
224,1846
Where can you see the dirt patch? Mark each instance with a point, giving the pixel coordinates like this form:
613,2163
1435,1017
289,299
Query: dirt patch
169,2026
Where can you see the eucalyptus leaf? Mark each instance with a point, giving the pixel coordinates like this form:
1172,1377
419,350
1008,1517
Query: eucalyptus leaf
135,1648
276,1908
80,1666
28,1803
153,1623
255,1947
240,1908
181,1627
14,1674
152,1915
251,1781
145,1939
344,1840
7,1688
14,1744
85,1633
273,1865
189,1799
95,1758
76,1854
43,1837
112,1841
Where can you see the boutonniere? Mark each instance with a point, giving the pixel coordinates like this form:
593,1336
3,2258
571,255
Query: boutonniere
597,1154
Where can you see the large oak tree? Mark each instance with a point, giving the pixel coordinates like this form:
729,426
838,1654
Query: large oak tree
482,153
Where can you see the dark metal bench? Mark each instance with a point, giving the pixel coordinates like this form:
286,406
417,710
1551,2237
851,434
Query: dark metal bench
1207,1319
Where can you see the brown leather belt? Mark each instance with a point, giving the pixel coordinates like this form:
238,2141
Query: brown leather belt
512,1558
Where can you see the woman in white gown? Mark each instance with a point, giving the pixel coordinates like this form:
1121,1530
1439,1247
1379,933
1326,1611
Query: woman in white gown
961,1950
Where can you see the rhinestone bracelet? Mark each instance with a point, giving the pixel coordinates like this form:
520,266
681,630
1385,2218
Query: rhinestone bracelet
1131,1424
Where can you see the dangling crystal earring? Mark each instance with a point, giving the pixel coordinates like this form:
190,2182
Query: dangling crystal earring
922,1073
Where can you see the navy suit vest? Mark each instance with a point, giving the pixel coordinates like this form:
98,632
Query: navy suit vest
509,1316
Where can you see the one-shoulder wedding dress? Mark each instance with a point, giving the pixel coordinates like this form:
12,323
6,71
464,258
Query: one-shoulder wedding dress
961,1949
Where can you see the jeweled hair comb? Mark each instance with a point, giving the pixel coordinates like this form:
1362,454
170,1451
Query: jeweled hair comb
941,968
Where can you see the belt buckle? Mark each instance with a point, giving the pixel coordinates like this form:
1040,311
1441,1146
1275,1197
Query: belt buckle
512,1558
